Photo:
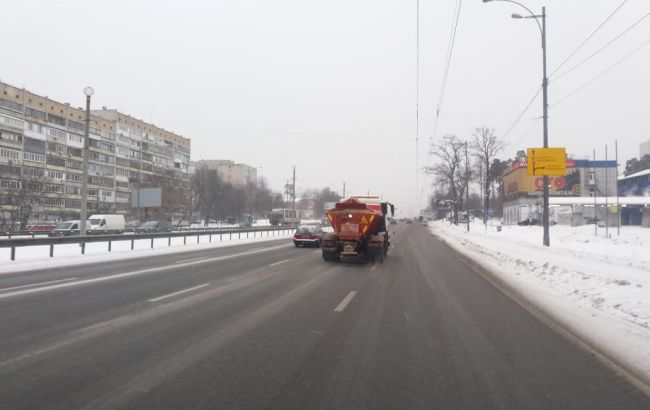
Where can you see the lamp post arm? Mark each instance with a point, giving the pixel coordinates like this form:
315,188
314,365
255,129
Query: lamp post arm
530,12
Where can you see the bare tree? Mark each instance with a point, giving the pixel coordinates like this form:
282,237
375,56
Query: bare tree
485,146
450,169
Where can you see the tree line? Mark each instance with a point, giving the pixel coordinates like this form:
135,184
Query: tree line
461,162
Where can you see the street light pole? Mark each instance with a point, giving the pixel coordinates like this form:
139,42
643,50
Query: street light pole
542,29
547,236
83,214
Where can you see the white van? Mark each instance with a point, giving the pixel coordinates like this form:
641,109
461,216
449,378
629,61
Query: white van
106,224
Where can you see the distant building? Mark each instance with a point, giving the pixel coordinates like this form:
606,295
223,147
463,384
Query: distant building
228,171
644,149
584,178
41,147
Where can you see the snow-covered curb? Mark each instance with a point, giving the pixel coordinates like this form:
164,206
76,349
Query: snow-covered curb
524,267
67,260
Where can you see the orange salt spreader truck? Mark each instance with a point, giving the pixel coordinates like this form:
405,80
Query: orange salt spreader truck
360,230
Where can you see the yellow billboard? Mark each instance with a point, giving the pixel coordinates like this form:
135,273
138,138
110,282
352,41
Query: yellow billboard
546,161
517,181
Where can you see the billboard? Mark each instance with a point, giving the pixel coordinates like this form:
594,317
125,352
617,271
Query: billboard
146,197
517,182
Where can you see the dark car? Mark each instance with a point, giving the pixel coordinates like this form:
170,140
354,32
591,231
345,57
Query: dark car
155,226
308,235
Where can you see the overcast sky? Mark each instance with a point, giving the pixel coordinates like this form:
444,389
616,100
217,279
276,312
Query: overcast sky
330,86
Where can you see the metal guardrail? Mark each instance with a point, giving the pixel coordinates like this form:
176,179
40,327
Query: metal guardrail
83,240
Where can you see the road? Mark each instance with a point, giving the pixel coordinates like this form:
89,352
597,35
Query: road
266,325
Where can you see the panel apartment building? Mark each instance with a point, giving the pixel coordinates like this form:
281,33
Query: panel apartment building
41,153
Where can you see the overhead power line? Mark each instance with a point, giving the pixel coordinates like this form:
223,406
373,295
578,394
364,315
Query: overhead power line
523,112
610,68
450,50
612,41
588,38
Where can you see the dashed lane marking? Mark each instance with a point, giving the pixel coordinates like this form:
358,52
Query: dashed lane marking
38,284
178,293
345,302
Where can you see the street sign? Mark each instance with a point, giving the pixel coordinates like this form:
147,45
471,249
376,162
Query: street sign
546,161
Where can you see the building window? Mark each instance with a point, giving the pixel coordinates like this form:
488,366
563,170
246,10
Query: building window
75,138
73,164
59,189
73,203
91,192
34,127
58,148
122,195
69,176
55,161
31,112
54,174
11,121
30,156
57,133
9,184
9,153
76,125
55,119
75,152
14,106
9,169
33,172
11,137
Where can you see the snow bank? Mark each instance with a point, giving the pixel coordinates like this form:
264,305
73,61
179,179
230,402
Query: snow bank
37,257
599,287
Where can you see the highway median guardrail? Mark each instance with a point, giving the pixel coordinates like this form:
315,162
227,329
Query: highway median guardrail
221,234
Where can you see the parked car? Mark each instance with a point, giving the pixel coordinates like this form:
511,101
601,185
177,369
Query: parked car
100,224
308,235
66,228
155,226
40,228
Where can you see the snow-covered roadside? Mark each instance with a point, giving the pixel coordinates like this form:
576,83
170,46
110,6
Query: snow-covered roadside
599,288
37,257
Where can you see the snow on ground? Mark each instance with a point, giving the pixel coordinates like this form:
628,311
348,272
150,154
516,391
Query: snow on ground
37,257
598,286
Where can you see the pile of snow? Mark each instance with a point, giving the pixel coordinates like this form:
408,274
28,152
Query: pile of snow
600,286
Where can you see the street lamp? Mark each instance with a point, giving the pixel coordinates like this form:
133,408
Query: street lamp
542,29
88,91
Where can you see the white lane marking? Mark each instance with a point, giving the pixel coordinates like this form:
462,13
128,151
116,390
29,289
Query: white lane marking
38,284
317,251
169,295
279,262
373,267
191,260
128,274
346,300
406,316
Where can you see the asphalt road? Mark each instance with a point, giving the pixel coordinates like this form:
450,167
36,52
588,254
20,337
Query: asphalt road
267,325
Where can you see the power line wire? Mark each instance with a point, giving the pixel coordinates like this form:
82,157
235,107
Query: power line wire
450,50
516,121
602,48
610,68
588,38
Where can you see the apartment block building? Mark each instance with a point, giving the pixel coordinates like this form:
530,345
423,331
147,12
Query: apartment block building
235,174
41,159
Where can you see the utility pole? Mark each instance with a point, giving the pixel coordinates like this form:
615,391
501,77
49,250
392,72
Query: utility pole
595,202
293,191
606,195
83,214
618,205
467,184
547,239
